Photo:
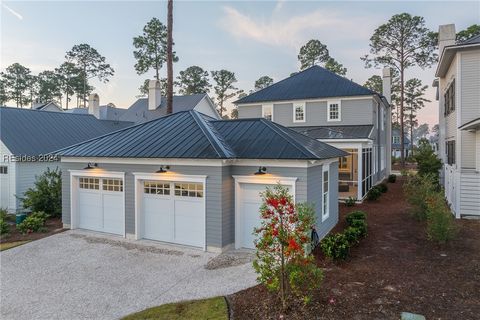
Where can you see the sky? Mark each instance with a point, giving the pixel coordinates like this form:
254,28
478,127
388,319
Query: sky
250,38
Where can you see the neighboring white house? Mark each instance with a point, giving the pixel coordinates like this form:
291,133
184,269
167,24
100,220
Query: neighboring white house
458,85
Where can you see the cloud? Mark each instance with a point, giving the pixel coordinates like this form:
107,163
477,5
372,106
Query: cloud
292,31
13,12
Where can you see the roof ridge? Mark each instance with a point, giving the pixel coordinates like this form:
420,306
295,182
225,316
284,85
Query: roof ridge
211,136
284,135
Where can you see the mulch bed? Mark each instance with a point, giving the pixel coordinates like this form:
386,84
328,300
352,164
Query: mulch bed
52,225
394,269
408,166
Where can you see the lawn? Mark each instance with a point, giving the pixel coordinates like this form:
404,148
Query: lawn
394,269
9,245
211,309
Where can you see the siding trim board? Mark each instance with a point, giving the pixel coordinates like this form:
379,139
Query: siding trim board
367,97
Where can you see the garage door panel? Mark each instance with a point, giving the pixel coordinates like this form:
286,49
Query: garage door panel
158,218
113,213
90,210
189,222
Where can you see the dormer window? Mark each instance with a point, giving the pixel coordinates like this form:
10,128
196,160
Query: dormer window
298,112
334,111
267,111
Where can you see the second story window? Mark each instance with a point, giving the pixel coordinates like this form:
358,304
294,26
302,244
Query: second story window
333,111
298,113
450,152
396,139
449,99
267,112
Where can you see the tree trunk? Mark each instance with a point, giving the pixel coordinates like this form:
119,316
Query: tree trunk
66,102
170,58
402,131
411,132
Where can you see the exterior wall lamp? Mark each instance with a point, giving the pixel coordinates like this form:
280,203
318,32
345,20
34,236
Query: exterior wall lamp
163,169
91,166
261,170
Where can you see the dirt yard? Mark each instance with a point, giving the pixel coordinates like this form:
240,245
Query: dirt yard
52,226
394,269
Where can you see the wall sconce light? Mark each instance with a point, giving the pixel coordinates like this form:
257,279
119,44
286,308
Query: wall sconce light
91,166
261,170
163,169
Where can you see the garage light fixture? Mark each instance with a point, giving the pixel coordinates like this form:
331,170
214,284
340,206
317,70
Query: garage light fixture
261,170
163,169
91,166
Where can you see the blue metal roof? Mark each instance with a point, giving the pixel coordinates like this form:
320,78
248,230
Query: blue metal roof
32,132
190,134
314,82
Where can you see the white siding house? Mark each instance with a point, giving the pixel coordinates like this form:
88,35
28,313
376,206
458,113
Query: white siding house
458,86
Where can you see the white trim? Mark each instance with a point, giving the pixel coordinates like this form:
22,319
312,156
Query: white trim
211,104
369,141
339,104
265,106
146,161
97,173
169,176
304,109
260,179
366,97
279,163
326,214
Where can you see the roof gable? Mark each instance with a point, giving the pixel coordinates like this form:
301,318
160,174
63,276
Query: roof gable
314,82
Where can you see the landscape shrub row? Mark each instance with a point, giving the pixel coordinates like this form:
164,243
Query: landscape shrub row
35,222
4,226
337,246
377,191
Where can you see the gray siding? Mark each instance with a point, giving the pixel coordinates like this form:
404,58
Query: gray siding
470,86
228,207
27,172
250,111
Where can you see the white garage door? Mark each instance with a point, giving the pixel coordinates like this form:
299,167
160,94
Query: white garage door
174,212
100,204
249,210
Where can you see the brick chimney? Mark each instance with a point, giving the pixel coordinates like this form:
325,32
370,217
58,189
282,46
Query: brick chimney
446,36
387,84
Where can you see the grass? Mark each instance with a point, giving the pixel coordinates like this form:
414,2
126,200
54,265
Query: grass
211,309
9,245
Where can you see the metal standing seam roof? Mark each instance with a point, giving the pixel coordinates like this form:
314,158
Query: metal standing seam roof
190,134
336,132
32,132
311,83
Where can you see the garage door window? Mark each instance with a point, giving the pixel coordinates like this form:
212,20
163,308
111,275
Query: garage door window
193,190
89,183
112,184
156,187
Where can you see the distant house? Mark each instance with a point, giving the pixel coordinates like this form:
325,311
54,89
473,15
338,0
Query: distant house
47,106
458,92
332,109
27,136
396,147
107,112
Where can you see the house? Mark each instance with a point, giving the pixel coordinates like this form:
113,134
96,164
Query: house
106,112
190,179
458,92
47,106
26,138
396,147
155,106
332,109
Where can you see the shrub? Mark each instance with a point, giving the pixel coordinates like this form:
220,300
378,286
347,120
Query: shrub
353,235
351,201
382,187
3,213
427,161
440,224
4,227
355,215
373,194
46,195
335,246
392,178
281,261
33,223
417,189
361,225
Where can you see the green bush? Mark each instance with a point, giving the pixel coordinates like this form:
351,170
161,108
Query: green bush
382,187
392,178
46,195
4,227
361,225
355,215
33,223
373,194
353,235
440,221
335,246
427,161
3,213
417,189
350,202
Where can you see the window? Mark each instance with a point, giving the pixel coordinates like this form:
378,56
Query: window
194,190
156,187
299,113
333,112
3,170
450,152
449,99
396,139
325,197
89,183
112,184
267,112
343,163
382,118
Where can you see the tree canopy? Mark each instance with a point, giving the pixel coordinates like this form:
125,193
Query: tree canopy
17,81
224,87
312,53
263,82
193,80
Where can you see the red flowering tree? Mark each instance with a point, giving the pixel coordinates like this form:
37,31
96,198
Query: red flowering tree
282,261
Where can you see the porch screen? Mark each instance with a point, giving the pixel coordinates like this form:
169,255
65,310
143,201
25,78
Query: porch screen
367,169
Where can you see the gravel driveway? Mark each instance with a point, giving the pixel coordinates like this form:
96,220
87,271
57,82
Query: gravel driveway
81,275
